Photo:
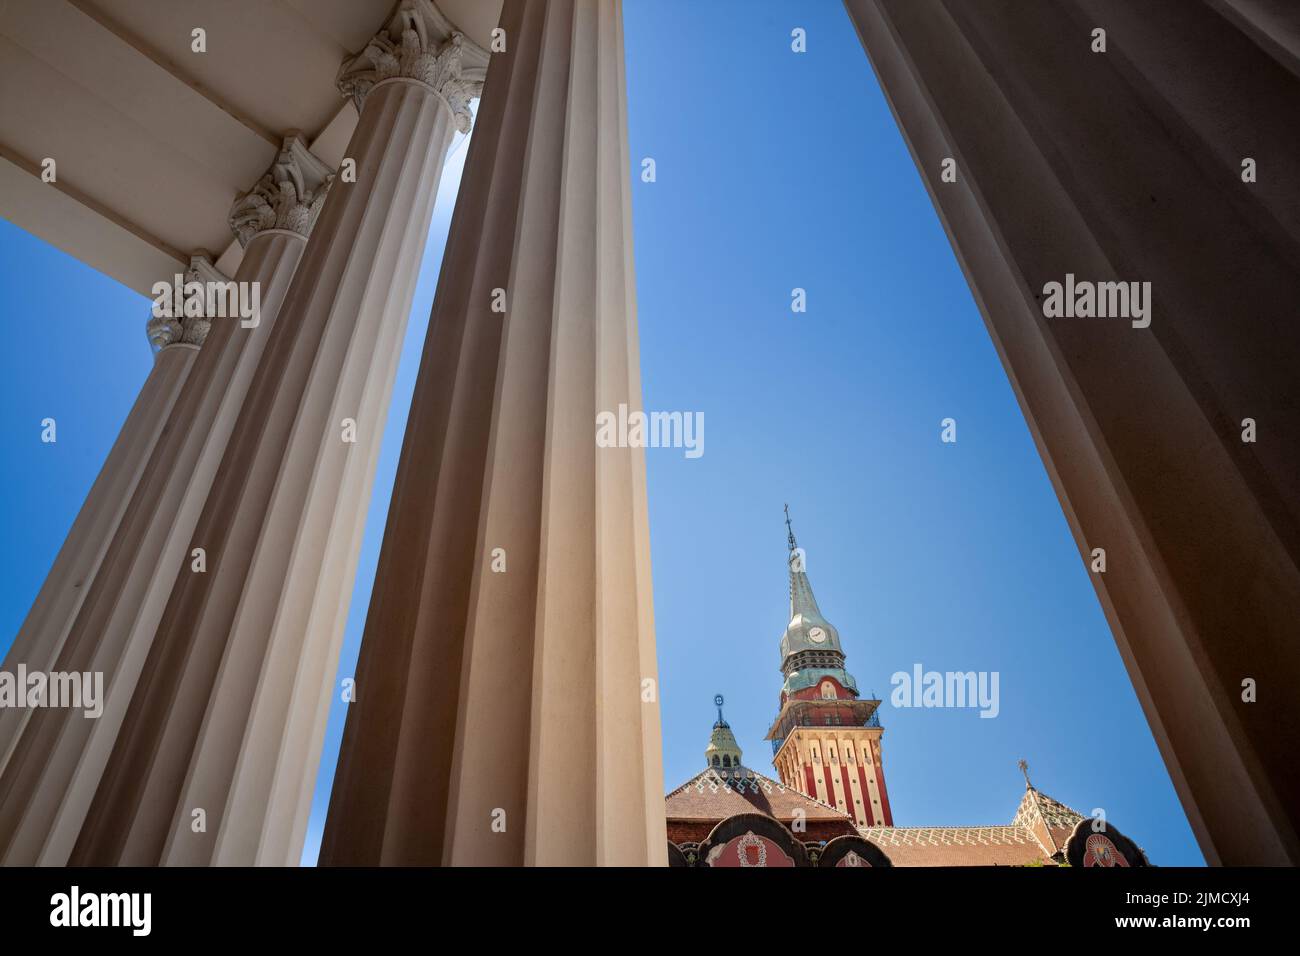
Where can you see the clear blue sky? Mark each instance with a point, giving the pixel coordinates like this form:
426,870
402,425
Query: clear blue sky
775,170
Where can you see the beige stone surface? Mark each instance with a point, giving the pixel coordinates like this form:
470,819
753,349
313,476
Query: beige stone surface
60,758
516,697
1126,166
153,139
229,713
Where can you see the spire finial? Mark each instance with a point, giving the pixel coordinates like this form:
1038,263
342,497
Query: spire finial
1024,768
789,530
718,702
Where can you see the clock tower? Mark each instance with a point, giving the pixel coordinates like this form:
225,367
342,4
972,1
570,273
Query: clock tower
826,739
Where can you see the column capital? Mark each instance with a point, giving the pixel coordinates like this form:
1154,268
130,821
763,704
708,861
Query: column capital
185,330
419,43
289,196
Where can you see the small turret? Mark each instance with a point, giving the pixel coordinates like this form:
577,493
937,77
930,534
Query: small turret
722,752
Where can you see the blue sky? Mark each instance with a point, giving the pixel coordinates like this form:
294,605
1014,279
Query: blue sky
775,170
779,170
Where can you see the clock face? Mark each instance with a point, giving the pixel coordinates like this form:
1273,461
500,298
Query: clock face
816,635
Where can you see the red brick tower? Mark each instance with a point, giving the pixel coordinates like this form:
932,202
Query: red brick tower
826,739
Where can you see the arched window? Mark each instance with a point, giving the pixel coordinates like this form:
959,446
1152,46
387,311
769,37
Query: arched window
828,690
726,760
716,761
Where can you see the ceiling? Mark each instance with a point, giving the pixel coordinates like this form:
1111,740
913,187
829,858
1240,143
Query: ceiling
152,142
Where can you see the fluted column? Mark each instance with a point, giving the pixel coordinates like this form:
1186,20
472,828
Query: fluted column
507,705
45,628
1118,142
59,761
228,718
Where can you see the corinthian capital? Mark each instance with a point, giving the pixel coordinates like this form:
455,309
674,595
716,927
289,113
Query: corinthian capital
289,196
172,326
419,43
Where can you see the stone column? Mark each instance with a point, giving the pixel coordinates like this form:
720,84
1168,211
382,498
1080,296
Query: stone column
59,761
1162,150
507,708
45,628
229,714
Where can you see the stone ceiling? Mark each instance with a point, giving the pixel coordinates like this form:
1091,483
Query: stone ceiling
152,141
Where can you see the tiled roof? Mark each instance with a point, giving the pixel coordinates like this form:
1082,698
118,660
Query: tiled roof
1053,812
1038,832
718,794
957,846
1048,820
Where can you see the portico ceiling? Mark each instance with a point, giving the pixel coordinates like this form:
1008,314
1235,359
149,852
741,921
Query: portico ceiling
152,142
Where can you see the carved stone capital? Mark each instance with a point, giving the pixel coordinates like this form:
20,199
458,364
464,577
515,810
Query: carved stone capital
184,330
419,43
289,196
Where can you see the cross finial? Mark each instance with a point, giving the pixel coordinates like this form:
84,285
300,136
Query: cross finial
789,529
1024,768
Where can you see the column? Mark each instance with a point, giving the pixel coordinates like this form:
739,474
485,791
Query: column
507,699
1161,150
227,721
59,760
37,644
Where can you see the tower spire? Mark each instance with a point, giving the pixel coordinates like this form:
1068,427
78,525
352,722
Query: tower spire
723,752
822,713
811,644
801,595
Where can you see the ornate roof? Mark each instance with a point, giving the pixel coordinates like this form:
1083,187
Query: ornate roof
1036,806
1036,835
1049,820
717,794
957,846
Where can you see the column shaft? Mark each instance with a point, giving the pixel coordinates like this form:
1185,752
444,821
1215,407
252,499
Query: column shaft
59,760
1127,165
229,713
500,716
43,631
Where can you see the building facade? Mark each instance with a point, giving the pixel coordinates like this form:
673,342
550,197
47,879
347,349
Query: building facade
826,738
207,575
730,815
829,805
